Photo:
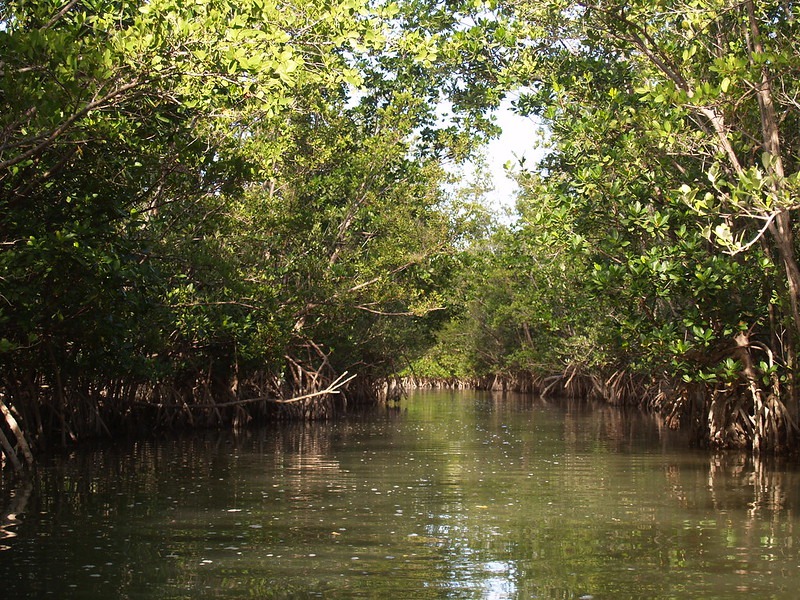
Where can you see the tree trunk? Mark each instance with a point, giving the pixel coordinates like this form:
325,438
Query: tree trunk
781,231
781,227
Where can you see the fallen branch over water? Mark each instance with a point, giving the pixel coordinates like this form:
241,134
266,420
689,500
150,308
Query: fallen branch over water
334,388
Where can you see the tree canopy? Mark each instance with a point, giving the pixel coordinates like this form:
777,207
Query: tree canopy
209,209
202,203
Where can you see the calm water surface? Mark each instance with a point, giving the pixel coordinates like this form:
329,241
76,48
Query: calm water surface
453,495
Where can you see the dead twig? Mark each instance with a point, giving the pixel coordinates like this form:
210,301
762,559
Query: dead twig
333,388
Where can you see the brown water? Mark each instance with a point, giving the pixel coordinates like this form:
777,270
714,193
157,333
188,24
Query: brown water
454,495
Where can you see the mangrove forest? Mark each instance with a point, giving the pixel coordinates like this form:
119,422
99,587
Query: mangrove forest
214,213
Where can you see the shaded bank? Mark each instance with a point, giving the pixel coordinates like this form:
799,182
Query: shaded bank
30,424
720,417
619,389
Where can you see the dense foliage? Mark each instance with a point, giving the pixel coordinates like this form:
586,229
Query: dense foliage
654,259
207,209
209,202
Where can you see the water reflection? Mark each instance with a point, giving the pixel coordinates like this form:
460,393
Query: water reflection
452,496
10,516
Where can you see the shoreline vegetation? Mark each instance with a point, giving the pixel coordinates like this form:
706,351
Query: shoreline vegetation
692,409
220,212
165,411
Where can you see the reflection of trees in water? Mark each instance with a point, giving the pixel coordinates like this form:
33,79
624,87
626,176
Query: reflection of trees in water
538,503
771,485
765,488
726,515
741,511
302,456
132,506
620,429
118,474
587,424
16,506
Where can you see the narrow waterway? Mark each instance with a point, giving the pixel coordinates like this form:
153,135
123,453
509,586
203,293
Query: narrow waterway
451,495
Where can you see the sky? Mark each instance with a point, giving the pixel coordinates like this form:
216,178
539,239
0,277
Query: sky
520,139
